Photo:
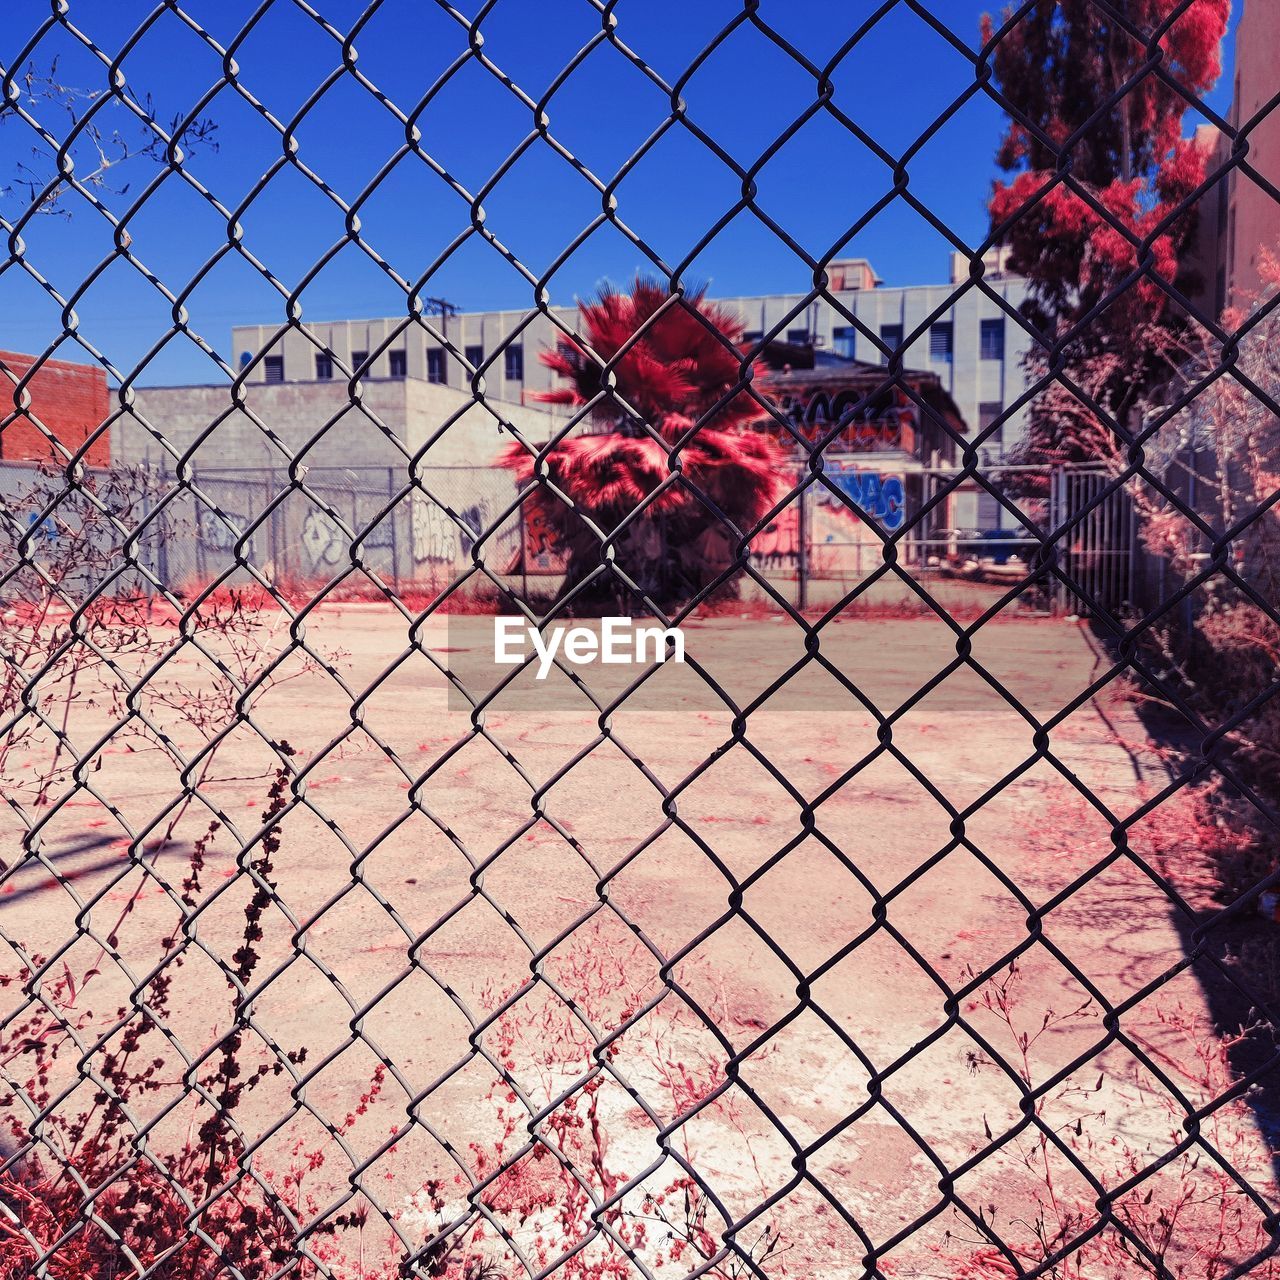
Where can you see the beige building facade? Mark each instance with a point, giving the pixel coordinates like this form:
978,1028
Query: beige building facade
970,339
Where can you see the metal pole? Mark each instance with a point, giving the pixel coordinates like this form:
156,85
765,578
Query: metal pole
395,540
201,559
1054,584
802,552
144,473
524,559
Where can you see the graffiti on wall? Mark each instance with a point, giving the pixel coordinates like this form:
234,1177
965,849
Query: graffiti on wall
326,545
880,496
440,539
837,531
777,545
322,539
381,535
37,528
817,413
837,525
435,535
543,553
221,533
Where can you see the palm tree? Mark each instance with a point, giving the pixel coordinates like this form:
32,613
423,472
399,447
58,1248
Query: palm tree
671,456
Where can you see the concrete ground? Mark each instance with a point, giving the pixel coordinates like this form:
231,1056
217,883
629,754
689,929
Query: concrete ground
817,888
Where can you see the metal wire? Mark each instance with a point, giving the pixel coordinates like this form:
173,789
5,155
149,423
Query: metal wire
241,526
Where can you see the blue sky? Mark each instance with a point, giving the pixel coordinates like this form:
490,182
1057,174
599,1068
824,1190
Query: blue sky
894,83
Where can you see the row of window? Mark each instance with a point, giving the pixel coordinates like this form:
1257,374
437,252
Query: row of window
890,335
398,364
941,339
844,342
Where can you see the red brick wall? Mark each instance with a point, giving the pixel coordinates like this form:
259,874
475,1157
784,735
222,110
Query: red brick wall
70,400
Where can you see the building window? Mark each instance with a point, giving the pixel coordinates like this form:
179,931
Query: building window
753,337
514,361
843,339
475,356
435,364
891,336
988,412
988,511
399,365
798,337
941,340
357,359
273,368
991,339
324,366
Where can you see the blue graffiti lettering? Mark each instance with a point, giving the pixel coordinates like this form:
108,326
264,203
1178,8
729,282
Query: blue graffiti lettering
894,500
879,496
872,495
850,484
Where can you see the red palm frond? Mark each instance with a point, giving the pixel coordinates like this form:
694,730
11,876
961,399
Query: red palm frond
678,356
608,477
675,363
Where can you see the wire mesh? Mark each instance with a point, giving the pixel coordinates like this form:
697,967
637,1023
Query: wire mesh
140,596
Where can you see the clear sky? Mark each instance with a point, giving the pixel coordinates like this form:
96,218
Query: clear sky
897,80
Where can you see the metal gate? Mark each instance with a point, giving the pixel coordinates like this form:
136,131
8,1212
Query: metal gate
1097,541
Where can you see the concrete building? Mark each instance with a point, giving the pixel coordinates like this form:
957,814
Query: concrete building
969,340
1240,218
351,473
886,450
1253,216
62,399
393,419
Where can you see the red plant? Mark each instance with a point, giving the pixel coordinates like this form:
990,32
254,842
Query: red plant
1220,456
672,457
83,1200
666,356
1184,1219
83,1197
1058,67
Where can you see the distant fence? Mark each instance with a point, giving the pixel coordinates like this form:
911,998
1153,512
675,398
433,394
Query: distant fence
370,528
365,520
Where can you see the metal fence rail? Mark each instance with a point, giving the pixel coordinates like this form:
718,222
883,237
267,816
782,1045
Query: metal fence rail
121,585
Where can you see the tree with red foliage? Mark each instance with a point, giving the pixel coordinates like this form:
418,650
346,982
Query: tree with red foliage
671,475
1092,212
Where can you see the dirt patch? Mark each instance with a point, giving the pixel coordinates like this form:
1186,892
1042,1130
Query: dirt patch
812,914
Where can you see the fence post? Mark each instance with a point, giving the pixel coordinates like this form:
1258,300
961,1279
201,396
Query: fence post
524,559
162,543
286,543
1056,584
141,579
395,538
198,511
802,551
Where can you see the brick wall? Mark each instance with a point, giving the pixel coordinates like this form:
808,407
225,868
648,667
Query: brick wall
69,400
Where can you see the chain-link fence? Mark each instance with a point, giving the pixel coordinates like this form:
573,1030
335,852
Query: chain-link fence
813,551
918,921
